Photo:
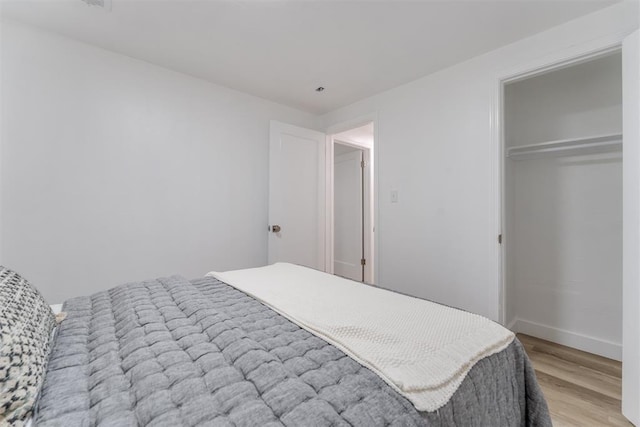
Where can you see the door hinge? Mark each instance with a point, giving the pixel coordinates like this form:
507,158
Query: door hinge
363,261
500,239
363,164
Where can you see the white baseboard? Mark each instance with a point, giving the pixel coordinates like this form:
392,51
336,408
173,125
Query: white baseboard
570,339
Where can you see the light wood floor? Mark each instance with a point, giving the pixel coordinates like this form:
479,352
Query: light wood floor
581,389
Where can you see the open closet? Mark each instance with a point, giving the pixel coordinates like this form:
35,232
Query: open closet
563,205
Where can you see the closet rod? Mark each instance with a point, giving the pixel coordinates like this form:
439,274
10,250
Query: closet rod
574,146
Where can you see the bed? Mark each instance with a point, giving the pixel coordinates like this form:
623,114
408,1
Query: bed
171,351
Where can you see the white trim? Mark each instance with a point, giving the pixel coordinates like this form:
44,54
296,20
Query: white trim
561,59
582,342
329,214
330,131
369,190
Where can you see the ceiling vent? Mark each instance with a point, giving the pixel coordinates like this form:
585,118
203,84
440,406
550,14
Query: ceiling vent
103,4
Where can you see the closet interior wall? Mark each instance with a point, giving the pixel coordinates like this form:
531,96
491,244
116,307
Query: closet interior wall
563,205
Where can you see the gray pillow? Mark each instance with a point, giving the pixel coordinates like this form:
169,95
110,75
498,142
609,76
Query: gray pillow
26,323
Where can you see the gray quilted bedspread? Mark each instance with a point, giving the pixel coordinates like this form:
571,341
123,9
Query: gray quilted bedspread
172,352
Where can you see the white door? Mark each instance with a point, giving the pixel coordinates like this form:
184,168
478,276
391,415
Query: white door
631,229
297,196
347,217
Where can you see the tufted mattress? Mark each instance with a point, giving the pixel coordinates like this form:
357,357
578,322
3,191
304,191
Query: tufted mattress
173,352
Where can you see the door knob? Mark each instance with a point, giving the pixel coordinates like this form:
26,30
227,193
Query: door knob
275,228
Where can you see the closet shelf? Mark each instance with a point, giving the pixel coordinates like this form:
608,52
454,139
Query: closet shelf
564,147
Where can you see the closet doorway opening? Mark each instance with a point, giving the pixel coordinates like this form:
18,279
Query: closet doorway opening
562,204
352,203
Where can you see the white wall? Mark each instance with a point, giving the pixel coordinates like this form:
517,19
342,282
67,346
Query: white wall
578,101
564,214
436,146
116,170
567,251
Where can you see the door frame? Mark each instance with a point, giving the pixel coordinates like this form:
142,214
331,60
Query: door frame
526,74
569,57
373,247
631,226
560,59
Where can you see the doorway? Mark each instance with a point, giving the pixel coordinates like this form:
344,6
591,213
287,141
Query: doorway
562,212
349,208
352,203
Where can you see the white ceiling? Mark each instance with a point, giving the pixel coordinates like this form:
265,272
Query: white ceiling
360,135
283,50
340,149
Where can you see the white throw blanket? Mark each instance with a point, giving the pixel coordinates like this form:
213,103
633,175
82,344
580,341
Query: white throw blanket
422,349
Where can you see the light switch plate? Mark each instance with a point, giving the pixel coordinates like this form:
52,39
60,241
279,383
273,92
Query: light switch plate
394,196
